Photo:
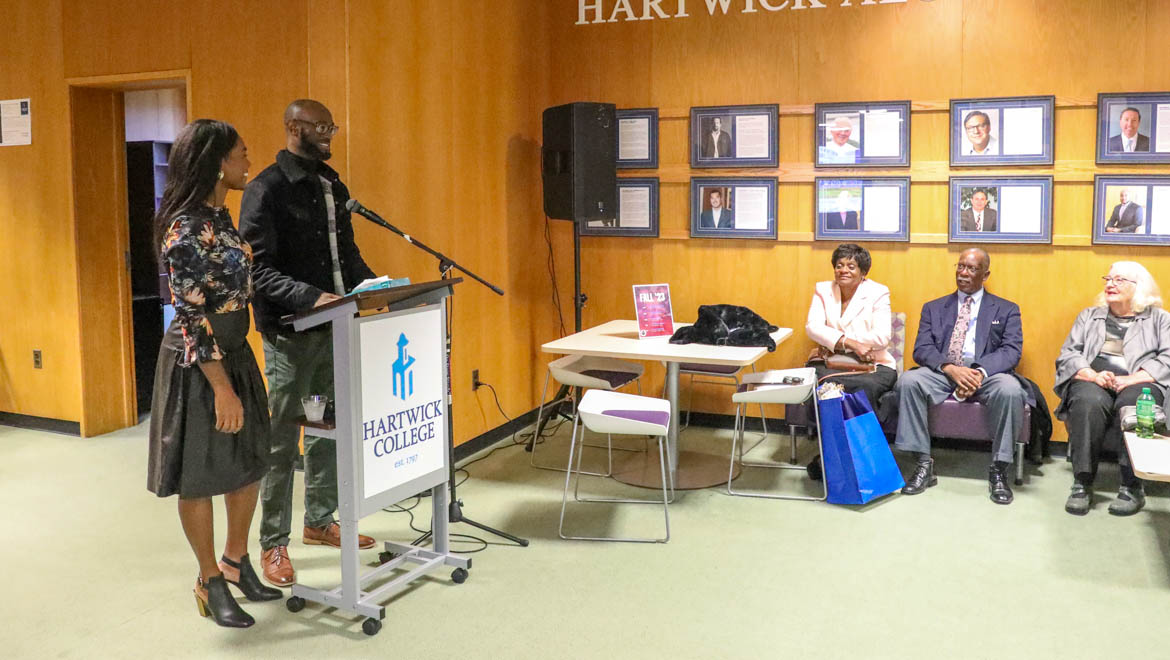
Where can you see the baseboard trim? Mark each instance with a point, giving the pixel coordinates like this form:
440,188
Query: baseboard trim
494,436
35,423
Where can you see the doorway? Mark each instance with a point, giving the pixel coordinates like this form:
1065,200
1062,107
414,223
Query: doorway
120,302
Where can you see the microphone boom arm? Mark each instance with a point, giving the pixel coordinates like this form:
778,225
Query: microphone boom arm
445,262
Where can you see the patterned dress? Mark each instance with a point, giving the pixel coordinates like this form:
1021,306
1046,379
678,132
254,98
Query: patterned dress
211,286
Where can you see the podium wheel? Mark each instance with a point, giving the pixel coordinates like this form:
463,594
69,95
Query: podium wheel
459,575
371,627
385,556
295,604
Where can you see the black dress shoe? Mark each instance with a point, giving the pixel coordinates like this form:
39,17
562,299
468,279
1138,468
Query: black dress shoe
997,485
249,582
922,479
214,600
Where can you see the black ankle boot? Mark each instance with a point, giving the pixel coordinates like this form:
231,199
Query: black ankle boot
217,602
249,582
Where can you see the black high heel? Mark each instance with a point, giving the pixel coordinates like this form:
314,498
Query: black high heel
249,582
214,600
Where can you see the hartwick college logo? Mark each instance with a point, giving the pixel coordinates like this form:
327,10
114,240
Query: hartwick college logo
402,372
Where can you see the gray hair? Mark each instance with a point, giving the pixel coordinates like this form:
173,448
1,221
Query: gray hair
1146,292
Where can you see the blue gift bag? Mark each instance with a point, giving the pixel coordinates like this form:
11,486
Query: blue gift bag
857,460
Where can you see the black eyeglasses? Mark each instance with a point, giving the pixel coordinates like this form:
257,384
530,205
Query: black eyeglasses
321,127
978,127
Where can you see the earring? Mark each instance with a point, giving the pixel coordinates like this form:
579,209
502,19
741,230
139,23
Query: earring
219,177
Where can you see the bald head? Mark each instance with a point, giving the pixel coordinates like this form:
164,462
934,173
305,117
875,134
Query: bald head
309,127
299,108
980,254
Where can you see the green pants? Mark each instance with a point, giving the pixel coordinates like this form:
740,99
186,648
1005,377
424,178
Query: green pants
296,365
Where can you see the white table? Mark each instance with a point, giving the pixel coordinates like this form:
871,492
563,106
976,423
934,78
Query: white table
1149,457
619,339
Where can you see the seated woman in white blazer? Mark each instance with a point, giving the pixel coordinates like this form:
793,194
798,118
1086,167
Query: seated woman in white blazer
850,316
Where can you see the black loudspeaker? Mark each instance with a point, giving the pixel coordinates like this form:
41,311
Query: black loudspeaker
579,162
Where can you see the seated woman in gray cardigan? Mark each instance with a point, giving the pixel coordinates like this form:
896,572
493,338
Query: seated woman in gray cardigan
1116,347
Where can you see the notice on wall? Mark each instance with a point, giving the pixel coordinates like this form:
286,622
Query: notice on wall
15,123
634,138
751,136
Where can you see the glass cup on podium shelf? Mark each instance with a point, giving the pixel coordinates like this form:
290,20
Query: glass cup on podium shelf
314,405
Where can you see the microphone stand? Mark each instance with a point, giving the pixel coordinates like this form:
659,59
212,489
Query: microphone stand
446,266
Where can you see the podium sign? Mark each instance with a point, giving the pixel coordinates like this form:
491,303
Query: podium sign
404,404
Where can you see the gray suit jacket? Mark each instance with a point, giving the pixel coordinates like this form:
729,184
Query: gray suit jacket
1146,347
1141,146
967,220
1127,222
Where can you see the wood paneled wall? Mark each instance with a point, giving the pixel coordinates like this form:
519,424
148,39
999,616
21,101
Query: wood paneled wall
440,107
926,52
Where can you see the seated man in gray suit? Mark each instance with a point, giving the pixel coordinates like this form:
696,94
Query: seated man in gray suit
978,217
968,345
1127,216
1130,139
716,217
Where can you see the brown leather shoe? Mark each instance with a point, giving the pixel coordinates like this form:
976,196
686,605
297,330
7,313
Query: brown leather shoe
278,568
331,535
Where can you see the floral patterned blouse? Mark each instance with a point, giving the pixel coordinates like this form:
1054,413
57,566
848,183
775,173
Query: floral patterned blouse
210,269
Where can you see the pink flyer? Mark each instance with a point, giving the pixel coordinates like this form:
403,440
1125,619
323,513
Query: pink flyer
652,304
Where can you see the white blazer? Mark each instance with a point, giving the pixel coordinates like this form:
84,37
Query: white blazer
866,319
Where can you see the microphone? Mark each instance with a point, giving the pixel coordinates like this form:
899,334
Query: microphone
354,206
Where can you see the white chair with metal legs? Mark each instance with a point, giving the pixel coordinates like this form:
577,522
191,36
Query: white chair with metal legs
616,413
769,388
707,371
588,372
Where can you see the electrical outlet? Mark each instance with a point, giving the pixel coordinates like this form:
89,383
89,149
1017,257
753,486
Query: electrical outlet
37,358
474,379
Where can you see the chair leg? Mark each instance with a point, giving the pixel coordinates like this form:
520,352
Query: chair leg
535,443
792,444
662,458
763,419
568,476
1020,463
740,420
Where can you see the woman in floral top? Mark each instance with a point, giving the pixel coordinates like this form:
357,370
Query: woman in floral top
209,423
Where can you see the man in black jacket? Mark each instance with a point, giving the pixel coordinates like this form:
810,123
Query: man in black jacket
293,215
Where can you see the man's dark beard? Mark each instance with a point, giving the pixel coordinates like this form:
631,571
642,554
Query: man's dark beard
311,150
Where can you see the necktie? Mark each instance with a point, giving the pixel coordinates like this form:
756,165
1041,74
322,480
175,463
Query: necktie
842,218
978,224
1129,145
959,335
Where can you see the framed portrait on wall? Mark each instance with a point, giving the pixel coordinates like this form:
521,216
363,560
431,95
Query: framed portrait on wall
1014,209
735,136
866,209
1133,128
637,138
637,215
1131,209
733,207
1002,131
862,134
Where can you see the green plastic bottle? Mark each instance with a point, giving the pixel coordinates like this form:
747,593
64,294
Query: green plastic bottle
1145,414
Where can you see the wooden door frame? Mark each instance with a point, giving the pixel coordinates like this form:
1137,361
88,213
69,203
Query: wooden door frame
118,409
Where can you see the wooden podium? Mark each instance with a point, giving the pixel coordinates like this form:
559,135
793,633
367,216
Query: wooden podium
391,394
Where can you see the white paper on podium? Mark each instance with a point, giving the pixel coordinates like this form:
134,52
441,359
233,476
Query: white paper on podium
751,207
634,138
881,208
1158,211
882,134
633,206
1019,209
1162,142
751,136
1023,131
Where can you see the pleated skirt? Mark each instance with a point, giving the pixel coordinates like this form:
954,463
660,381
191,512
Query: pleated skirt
188,456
